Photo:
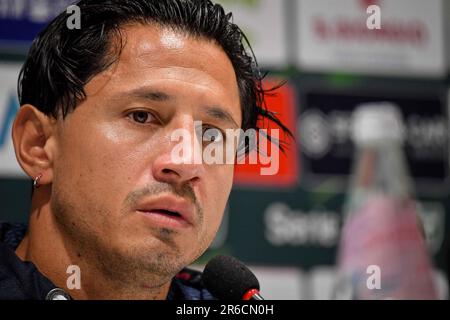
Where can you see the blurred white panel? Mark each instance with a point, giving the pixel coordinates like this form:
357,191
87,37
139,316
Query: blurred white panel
276,283
264,23
291,283
335,36
322,283
280,283
8,108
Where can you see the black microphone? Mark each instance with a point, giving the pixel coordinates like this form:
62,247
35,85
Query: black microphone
229,279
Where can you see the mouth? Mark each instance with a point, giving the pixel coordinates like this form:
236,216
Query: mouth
168,212
165,218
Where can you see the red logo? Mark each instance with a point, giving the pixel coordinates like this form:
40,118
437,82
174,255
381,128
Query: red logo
284,105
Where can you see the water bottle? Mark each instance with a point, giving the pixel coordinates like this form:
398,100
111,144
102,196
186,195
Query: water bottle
382,252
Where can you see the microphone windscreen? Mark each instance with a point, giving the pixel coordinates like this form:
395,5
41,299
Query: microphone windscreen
228,279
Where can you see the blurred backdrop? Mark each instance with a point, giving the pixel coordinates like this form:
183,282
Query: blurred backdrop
287,226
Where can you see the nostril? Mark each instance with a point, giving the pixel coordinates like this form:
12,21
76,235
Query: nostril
170,172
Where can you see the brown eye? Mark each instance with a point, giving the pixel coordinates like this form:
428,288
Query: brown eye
212,135
141,116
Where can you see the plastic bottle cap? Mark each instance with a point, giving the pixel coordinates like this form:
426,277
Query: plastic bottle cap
377,122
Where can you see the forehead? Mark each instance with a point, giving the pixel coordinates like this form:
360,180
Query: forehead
171,60
153,42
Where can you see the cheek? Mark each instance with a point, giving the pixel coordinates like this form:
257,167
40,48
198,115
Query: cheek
91,168
219,184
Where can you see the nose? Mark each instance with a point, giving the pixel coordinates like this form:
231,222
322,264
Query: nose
179,160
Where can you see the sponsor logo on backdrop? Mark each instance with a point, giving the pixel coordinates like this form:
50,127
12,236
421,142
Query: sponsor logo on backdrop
36,11
8,109
324,134
403,37
426,136
346,29
288,227
21,21
285,226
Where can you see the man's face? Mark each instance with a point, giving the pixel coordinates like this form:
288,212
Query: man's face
114,174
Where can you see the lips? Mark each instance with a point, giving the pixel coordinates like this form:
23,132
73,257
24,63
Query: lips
168,210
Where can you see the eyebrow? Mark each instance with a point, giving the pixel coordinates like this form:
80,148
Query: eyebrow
215,112
220,114
153,95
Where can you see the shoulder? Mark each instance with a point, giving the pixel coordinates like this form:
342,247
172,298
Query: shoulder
18,279
12,234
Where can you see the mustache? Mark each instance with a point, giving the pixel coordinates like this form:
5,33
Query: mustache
157,188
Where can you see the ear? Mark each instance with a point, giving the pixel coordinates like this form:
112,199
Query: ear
33,138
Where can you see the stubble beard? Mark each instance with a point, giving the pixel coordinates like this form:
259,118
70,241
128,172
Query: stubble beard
127,268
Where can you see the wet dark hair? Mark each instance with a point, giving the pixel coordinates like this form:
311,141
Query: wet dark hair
61,61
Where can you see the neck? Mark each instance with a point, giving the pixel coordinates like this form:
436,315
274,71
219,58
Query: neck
54,253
